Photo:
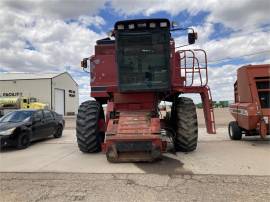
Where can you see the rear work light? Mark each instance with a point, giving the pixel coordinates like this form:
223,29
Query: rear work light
141,25
131,26
121,27
163,24
152,25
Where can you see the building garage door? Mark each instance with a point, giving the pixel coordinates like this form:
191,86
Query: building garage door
59,101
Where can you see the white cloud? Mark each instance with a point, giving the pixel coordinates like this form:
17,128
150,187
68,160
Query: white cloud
231,13
67,9
232,46
147,8
241,14
56,43
235,46
35,36
221,80
91,20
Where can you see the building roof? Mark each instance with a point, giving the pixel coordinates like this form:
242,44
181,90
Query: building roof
19,76
5,76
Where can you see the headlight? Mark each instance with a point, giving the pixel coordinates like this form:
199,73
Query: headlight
7,132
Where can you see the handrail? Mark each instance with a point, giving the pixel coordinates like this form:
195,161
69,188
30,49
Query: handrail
196,67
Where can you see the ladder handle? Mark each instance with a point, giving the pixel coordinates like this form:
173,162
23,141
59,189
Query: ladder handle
193,68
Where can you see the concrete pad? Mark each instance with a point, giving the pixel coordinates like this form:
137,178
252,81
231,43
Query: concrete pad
216,154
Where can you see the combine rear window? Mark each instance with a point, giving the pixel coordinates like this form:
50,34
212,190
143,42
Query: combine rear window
143,60
263,87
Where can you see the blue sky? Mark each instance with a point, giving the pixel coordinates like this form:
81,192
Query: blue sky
52,36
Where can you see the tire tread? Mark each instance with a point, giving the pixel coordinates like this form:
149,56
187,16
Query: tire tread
186,125
87,131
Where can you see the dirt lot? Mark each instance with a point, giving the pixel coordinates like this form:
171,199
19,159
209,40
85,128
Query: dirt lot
219,170
222,117
132,187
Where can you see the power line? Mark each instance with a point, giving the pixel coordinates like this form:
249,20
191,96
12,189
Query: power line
240,32
231,58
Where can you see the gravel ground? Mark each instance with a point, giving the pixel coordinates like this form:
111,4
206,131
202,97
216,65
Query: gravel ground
132,187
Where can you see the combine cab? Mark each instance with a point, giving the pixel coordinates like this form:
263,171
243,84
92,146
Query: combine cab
251,109
132,75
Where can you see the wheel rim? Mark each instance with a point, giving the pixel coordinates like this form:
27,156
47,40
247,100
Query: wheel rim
25,141
58,133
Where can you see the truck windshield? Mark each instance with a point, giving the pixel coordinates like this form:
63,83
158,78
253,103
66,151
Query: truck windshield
17,116
143,60
32,99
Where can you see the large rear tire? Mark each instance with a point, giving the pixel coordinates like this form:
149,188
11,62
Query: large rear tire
87,130
186,125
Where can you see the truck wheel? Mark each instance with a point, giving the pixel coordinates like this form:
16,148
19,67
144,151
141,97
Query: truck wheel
235,132
23,141
87,131
186,125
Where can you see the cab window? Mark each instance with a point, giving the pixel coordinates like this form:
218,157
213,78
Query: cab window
48,114
33,100
38,115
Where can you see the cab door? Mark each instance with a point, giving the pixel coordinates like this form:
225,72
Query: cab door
38,125
50,123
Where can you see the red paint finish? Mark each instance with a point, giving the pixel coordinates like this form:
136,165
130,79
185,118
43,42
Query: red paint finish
134,116
183,80
248,110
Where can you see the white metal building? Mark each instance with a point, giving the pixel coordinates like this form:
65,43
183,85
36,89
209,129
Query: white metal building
58,90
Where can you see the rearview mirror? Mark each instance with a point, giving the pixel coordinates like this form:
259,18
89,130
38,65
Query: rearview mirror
192,37
84,63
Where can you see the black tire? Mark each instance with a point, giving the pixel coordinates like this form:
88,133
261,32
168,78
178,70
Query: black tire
87,131
235,132
59,132
185,122
23,141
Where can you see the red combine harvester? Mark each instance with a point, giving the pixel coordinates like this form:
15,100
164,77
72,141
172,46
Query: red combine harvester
251,109
132,75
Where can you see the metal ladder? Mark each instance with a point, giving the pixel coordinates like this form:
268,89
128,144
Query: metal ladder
208,110
190,65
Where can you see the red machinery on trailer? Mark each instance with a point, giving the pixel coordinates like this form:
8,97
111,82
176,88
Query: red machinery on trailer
251,109
132,75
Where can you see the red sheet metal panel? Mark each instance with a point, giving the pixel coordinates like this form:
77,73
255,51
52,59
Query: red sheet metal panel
134,123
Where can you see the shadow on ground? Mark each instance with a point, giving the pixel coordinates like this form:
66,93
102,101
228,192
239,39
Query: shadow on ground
166,166
256,140
13,148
